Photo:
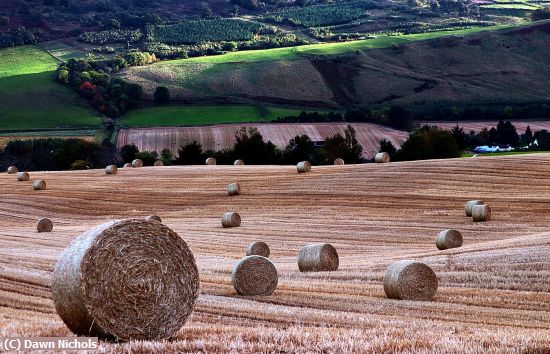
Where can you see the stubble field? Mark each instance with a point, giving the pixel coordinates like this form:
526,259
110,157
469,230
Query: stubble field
494,293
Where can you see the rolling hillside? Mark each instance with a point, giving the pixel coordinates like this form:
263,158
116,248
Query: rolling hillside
223,136
493,292
485,67
32,100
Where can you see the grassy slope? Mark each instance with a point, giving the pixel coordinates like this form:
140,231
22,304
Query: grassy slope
31,99
199,115
332,48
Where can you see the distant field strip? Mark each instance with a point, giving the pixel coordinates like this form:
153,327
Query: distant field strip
223,136
203,115
479,125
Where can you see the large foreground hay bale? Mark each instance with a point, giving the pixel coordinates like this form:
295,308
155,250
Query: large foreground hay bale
481,213
12,170
258,248
23,176
210,161
470,205
159,163
137,163
339,162
448,239
382,157
39,185
319,257
238,163
153,218
127,164
44,225
111,170
303,167
255,275
126,280
231,219
234,189
410,280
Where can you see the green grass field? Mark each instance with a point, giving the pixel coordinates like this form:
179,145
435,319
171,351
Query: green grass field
32,100
333,48
203,115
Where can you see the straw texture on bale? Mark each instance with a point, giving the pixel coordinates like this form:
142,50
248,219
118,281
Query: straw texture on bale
126,280
234,189
210,161
111,170
44,225
23,176
448,239
481,213
258,249
12,170
238,163
410,280
137,163
319,257
255,275
470,205
39,185
127,164
159,163
382,157
153,218
339,162
231,219
303,167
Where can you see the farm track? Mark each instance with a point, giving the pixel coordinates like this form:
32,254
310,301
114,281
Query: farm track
494,293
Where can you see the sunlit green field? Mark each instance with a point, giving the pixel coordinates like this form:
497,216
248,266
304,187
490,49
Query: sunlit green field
204,115
31,99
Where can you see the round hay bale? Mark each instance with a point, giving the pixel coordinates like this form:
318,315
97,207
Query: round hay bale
127,164
319,257
44,225
234,189
39,185
448,239
231,219
470,205
153,218
258,249
481,213
137,163
159,163
126,280
339,162
111,170
238,163
23,176
255,275
303,167
382,157
410,280
12,170
210,161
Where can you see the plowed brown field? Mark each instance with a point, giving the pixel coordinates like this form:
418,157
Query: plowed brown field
494,294
478,126
219,137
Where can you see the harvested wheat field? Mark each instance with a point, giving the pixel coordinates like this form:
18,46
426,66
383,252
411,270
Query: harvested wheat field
219,137
493,294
